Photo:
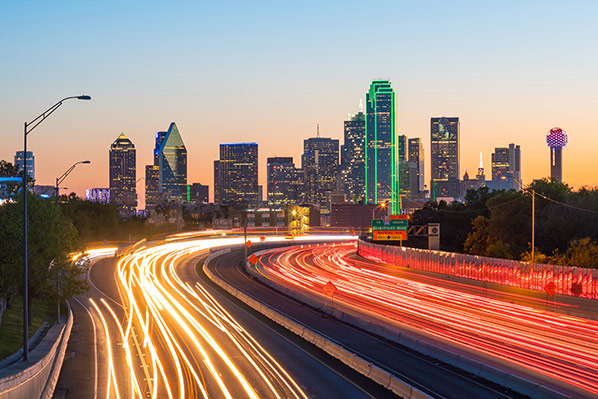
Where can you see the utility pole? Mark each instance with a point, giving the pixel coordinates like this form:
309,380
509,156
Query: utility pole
533,226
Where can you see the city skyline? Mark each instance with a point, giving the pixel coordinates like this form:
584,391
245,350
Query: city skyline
496,99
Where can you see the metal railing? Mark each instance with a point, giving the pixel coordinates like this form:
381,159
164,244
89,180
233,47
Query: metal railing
572,281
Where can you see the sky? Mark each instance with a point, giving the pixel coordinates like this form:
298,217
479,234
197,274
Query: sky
269,72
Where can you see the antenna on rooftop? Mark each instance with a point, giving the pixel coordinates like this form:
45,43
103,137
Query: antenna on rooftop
317,130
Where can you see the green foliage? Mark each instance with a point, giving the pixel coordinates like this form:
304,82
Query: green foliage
499,223
7,169
100,222
11,330
478,240
51,239
456,218
499,249
582,252
93,220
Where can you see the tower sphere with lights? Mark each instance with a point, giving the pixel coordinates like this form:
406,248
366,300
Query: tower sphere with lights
556,139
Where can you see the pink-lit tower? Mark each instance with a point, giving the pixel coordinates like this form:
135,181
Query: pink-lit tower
556,139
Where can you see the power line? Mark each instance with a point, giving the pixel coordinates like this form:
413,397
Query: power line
566,205
474,210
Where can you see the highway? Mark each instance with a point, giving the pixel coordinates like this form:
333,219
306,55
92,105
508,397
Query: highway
560,349
161,330
428,375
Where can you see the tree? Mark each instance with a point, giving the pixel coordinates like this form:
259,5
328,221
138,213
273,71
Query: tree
478,240
52,239
7,169
582,252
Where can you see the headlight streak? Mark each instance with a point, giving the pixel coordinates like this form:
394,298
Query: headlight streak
558,346
167,322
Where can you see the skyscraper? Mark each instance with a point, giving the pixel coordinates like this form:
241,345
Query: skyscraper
217,192
152,187
123,169
381,176
320,167
406,169
500,161
237,174
556,139
444,134
170,155
19,162
506,161
284,183
353,156
416,155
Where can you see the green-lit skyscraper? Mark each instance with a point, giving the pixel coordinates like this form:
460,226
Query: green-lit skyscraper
381,161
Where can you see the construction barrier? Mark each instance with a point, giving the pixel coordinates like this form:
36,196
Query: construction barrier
572,281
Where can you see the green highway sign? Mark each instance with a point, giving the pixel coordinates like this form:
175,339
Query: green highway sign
390,225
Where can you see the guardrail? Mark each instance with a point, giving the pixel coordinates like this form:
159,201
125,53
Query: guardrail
37,378
327,344
414,340
572,281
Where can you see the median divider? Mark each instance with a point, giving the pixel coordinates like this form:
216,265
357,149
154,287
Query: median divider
37,378
410,339
327,344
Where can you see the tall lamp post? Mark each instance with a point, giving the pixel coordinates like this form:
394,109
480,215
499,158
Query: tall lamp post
64,176
29,126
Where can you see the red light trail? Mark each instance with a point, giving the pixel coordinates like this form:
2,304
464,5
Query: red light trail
557,347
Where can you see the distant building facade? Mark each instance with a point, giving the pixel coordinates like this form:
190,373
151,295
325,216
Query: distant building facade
199,194
123,175
381,176
506,161
101,195
152,187
284,181
444,135
170,155
20,161
320,167
236,174
353,157
417,157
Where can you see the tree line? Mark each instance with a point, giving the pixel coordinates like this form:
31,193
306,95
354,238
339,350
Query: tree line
55,234
499,223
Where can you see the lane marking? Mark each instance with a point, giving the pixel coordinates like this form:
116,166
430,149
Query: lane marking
285,338
95,350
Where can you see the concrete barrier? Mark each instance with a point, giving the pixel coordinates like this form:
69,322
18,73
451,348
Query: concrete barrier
351,359
38,377
410,340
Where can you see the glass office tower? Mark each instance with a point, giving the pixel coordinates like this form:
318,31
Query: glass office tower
123,173
170,155
236,174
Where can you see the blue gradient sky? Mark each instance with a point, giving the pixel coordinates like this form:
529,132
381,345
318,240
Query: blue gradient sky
269,71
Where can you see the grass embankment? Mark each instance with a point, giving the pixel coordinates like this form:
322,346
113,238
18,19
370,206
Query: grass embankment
11,330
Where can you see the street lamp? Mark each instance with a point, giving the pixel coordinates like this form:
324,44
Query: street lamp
29,126
382,205
64,175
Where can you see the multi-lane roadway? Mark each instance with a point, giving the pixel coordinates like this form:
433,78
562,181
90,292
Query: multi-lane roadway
159,329
558,349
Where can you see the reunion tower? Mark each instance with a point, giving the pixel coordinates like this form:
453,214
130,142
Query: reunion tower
556,139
